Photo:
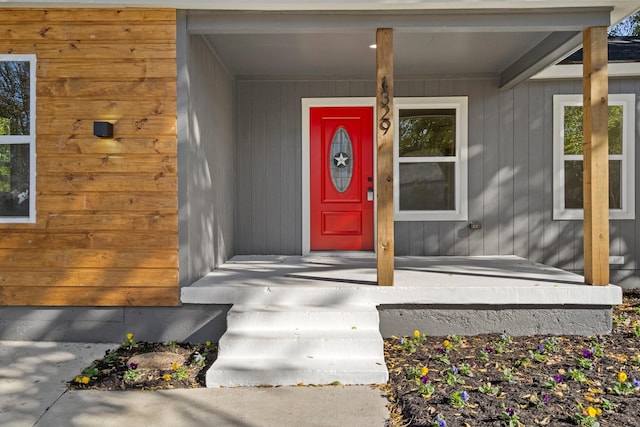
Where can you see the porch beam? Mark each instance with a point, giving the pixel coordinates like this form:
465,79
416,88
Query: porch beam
384,143
596,156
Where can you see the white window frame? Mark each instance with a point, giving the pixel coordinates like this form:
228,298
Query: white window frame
25,139
627,178
460,104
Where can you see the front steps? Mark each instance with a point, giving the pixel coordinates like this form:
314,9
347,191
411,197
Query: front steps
289,345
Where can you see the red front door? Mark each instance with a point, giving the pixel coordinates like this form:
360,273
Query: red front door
341,168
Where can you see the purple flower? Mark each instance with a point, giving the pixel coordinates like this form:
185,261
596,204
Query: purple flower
587,354
465,396
510,412
504,335
454,370
133,366
401,339
545,398
636,382
424,379
441,421
540,348
489,349
558,378
440,350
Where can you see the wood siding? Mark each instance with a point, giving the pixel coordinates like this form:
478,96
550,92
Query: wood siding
106,231
510,172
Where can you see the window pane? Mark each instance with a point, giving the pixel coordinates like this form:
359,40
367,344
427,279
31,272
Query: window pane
14,180
573,192
573,195
14,98
427,186
573,129
427,133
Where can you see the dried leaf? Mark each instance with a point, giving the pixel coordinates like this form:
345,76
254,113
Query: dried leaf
543,422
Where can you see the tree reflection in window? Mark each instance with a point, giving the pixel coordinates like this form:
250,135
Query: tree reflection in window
15,120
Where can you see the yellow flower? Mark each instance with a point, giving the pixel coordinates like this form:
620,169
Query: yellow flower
207,343
424,371
622,377
598,411
446,344
175,366
416,333
591,411
166,377
85,380
129,336
78,380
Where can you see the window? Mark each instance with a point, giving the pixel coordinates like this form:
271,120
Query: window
568,155
17,138
430,159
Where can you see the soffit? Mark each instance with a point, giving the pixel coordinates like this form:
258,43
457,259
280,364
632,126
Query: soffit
508,44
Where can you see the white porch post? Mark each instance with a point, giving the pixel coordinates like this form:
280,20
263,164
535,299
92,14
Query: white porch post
596,156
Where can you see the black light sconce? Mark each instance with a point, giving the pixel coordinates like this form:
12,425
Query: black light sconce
103,129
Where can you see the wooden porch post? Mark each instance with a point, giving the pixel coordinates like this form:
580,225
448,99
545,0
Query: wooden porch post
596,156
384,138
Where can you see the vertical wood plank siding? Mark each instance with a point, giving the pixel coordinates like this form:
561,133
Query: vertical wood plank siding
510,172
106,230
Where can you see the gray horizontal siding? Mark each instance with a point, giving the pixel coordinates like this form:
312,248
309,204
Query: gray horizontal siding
510,172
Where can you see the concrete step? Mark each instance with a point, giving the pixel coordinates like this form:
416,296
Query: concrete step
289,345
256,372
300,343
305,317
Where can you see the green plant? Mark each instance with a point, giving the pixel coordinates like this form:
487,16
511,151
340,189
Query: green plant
509,415
412,343
538,357
608,405
132,373
553,382
489,389
465,369
507,375
584,363
503,344
425,388
129,343
587,416
453,377
180,373
440,421
550,344
458,399
110,357
577,375
635,360
484,355
92,371
198,359
622,386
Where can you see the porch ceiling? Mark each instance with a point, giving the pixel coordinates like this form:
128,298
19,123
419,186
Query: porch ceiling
507,44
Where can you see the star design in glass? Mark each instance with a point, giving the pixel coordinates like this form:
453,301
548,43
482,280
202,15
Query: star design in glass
341,160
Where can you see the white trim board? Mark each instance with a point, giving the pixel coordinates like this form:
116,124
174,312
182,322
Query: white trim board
574,71
307,104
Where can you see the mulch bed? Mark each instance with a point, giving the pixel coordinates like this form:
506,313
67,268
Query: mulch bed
148,366
497,380
487,380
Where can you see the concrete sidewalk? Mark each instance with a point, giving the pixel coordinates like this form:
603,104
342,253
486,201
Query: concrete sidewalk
33,393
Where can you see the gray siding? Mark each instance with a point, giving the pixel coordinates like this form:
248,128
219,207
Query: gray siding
510,172
207,209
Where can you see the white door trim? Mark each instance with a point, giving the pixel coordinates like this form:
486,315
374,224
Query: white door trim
307,104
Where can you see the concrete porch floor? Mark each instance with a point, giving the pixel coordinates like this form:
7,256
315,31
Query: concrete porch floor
321,279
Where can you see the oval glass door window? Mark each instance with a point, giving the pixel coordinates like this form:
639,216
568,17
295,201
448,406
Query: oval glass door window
341,160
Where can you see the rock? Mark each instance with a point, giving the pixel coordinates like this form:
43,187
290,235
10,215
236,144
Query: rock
161,360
